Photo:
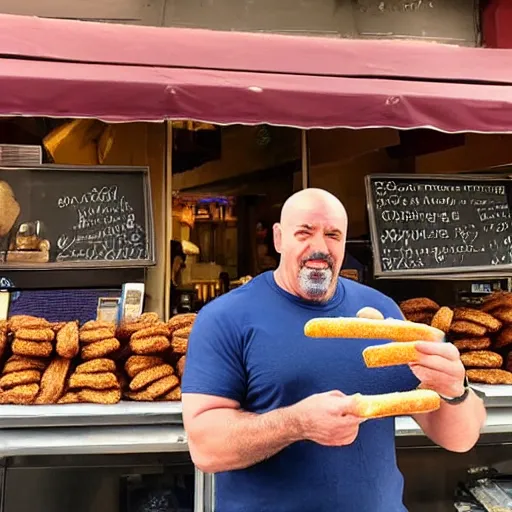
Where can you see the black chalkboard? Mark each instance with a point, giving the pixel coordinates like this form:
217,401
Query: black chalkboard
439,224
91,216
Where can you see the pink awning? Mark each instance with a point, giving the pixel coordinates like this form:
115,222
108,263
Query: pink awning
124,73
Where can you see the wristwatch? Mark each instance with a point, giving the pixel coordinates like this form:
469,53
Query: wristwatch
461,398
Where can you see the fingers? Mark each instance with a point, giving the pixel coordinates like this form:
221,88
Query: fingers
446,350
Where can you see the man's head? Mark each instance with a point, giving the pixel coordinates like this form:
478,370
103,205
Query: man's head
311,241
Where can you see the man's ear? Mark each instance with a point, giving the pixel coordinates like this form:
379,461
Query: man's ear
276,228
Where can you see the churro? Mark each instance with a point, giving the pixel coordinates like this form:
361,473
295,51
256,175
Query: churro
390,354
391,329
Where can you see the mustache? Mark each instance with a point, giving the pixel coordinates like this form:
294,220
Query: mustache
319,256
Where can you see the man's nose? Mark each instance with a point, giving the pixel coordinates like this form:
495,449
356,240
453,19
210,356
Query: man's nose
320,244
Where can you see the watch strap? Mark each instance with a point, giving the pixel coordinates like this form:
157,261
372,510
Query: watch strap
458,399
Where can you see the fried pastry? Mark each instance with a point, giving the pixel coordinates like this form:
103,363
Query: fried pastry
32,348
390,354
152,345
3,340
96,366
478,317
157,329
179,345
155,390
420,317
173,396
19,364
67,341
104,397
97,335
57,326
181,320
180,366
98,381
136,364
145,321
489,376
100,349
94,325
20,395
35,334
183,332
150,317
17,322
53,381
70,397
504,338
468,329
150,375
14,379
481,359
442,320
496,301
419,304
503,314
473,343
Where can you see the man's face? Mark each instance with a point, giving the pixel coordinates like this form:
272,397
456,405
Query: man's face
312,247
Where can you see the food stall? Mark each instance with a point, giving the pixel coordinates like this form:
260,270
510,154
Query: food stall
97,456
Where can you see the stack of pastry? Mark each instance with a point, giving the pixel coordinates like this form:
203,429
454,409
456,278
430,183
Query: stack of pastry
420,309
151,379
180,328
20,381
150,339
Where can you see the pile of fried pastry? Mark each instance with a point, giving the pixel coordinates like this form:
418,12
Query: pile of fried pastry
482,334
44,362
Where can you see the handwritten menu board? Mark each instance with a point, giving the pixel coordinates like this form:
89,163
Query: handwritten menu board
87,216
439,224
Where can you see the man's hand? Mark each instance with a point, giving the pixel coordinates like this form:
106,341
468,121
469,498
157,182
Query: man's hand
327,419
439,368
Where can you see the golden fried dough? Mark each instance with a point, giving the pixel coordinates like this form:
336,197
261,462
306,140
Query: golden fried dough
145,321
96,366
152,345
135,364
67,341
504,338
442,320
481,359
179,345
53,381
150,317
180,366
173,396
14,379
146,377
57,326
97,335
420,317
17,322
104,397
157,329
155,390
100,349
32,348
496,301
20,395
503,314
419,304
69,398
181,320
473,343
35,334
183,332
469,329
94,325
478,317
97,381
3,341
19,363
489,376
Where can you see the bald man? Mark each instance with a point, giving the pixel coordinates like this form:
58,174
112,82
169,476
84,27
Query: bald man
271,411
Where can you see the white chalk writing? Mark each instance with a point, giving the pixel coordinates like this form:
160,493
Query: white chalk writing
105,228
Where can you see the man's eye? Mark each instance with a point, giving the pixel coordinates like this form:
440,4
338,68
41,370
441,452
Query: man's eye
334,236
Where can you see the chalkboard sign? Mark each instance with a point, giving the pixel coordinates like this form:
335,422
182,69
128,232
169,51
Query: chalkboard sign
439,224
69,217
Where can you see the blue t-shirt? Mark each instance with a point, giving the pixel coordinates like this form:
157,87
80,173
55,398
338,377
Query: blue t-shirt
249,346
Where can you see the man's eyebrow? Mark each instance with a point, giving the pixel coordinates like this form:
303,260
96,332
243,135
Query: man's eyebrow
305,226
334,230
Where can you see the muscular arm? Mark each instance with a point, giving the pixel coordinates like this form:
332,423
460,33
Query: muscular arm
455,427
222,437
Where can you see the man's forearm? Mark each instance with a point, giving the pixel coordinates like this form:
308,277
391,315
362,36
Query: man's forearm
229,439
455,427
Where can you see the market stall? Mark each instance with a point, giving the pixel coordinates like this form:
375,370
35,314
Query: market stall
77,70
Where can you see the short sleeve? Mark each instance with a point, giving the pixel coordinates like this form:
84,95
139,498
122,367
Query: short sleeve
214,362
